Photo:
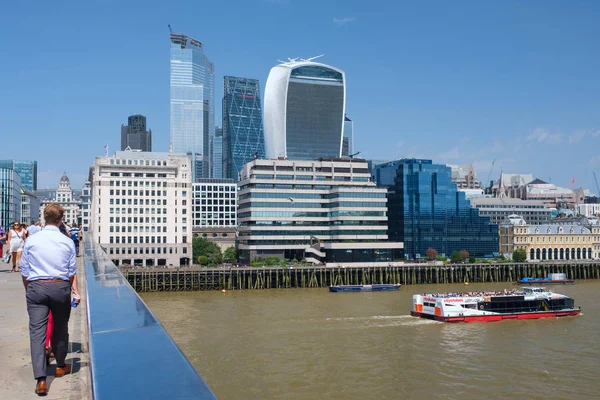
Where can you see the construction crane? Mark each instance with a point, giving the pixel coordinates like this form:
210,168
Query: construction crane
597,186
170,30
572,183
355,154
490,173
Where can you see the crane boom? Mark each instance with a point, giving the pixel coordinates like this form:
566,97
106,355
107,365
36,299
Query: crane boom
597,186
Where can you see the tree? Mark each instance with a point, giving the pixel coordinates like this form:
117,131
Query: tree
204,247
230,254
431,253
472,260
455,257
203,260
463,254
519,255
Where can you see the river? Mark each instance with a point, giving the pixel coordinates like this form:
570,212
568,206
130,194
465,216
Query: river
312,344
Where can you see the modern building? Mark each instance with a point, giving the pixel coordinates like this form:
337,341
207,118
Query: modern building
214,211
141,206
525,187
30,207
562,240
217,154
27,170
305,106
243,138
498,208
426,210
192,102
10,197
464,177
65,197
589,209
324,211
348,139
134,135
86,206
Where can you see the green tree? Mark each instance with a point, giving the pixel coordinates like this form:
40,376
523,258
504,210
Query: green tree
431,253
472,260
230,254
203,260
455,257
204,247
519,255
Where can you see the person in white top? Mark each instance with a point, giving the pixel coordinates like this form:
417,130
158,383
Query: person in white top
16,241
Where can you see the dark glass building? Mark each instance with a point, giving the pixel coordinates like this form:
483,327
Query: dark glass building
134,135
243,138
427,211
27,170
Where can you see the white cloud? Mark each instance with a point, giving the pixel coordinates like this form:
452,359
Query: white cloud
541,135
577,136
343,20
451,154
596,134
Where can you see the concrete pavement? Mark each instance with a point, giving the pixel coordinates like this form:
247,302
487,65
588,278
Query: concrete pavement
16,374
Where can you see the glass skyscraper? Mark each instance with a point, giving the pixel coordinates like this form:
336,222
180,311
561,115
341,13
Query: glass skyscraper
192,102
304,111
348,140
217,153
134,135
10,197
26,169
243,138
427,211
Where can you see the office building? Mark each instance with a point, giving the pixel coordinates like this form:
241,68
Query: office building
64,196
217,154
324,211
588,209
192,102
348,139
214,211
134,135
498,208
464,177
86,206
243,138
525,187
427,211
27,170
10,197
141,208
566,239
304,111
30,207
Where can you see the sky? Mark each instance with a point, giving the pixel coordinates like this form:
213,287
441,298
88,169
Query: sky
509,86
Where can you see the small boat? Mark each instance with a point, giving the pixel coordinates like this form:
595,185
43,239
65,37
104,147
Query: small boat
551,279
528,303
381,287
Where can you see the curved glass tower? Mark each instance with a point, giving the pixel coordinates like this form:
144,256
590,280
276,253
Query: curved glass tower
305,104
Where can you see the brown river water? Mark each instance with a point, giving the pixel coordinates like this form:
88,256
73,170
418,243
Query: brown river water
312,344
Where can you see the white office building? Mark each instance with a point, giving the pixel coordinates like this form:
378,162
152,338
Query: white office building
141,208
214,203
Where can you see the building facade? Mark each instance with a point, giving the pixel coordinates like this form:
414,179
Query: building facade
426,210
525,187
86,206
214,203
243,138
30,207
64,196
192,102
27,170
325,211
498,208
217,154
305,104
589,210
10,197
557,241
134,135
348,140
464,177
141,205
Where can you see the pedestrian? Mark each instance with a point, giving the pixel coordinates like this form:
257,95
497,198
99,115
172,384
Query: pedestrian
2,241
16,240
75,234
49,275
33,228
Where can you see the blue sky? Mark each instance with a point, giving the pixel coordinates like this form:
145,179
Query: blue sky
458,82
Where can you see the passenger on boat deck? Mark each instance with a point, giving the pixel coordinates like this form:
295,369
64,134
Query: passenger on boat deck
504,292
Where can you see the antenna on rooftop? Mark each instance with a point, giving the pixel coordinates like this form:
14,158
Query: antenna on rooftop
314,58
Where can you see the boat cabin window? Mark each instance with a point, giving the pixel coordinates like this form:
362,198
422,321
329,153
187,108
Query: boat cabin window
473,305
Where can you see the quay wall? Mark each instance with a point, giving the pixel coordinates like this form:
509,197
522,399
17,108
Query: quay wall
317,277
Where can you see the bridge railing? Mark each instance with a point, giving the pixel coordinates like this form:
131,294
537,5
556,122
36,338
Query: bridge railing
131,354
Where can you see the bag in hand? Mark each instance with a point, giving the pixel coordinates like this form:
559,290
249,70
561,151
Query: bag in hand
7,258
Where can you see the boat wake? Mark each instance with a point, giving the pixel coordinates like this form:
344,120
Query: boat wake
382,321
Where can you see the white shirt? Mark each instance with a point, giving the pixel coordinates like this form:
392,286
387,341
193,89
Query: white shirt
33,229
49,255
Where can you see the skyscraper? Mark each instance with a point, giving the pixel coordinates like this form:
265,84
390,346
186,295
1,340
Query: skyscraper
243,137
217,153
304,111
348,140
426,210
10,197
134,135
26,169
192,102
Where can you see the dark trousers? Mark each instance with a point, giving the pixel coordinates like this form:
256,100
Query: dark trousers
76,246
41,298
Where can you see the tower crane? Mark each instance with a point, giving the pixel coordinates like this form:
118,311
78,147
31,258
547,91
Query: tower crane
355,154
490,173
572,183
597,186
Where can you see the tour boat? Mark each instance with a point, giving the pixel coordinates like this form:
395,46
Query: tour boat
529,303
380,287
551,279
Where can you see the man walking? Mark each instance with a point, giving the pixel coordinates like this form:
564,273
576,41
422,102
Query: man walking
33,228
48,267
75,234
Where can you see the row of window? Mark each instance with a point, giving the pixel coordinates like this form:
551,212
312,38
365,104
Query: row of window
140,210
294,204
321,214
300,195
529,239
141,229
141,239
144,250
218,222
217,188
137,175
313,233
153,163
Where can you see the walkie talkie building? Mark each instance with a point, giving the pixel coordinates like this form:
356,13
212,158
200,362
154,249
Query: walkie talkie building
304,111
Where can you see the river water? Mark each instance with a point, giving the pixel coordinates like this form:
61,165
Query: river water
312,344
